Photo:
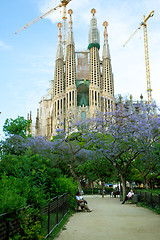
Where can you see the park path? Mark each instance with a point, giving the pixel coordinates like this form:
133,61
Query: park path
111,220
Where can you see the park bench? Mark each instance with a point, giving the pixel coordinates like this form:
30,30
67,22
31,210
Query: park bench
133,199
79,207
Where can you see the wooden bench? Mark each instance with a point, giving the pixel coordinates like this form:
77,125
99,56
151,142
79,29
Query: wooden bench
79,207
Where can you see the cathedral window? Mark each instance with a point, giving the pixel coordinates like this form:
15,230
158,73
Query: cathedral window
55,109
92,96
61,106
73,97
70,96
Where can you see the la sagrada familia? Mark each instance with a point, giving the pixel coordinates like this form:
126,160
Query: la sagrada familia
83,84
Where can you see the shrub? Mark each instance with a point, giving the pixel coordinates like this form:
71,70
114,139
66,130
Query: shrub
64,185
10,194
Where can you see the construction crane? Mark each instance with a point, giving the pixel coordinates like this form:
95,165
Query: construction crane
64,17
144,24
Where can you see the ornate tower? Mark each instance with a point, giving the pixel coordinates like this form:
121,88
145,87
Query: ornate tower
58,108
70,74
80,88
107,76
94,66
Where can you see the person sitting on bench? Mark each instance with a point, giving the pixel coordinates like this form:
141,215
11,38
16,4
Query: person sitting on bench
81,202
129,196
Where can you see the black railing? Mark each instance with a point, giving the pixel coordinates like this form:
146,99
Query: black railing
148,198
52,214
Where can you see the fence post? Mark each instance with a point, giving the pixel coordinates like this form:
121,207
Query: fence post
57,212
48,217
151,199
67,203
7,227
63,206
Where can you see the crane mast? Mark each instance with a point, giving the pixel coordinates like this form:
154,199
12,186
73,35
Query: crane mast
64,17
149,89
144,24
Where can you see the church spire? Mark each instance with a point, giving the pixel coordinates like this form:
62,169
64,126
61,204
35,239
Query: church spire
59,45
106,52
70,32
94,38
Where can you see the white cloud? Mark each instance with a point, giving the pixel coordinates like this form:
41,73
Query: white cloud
4,46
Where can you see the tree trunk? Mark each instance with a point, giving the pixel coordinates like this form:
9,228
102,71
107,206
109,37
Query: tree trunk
123,185
146,186
75,177
102,192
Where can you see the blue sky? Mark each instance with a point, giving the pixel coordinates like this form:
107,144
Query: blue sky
27,59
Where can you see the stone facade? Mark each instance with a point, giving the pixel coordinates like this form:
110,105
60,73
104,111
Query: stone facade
82,82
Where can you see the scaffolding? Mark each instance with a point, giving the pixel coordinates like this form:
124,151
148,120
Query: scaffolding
82,63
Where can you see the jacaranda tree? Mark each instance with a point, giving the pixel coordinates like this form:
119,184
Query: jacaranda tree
124,134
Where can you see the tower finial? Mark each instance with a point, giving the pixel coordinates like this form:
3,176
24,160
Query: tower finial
59,46
105,24
70,12
94,38
70,33
106,53
59,25
93,11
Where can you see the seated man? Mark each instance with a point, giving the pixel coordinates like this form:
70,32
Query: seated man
129,196
82,203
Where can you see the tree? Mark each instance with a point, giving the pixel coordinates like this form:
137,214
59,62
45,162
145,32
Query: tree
148,164
18,126
124,134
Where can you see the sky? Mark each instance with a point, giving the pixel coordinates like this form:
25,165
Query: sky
27,59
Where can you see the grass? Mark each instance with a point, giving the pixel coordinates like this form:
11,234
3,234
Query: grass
60,226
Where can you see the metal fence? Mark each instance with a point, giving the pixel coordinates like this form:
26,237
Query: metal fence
52,214
149,199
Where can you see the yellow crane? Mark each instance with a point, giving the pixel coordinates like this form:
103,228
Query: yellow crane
64,17
144,24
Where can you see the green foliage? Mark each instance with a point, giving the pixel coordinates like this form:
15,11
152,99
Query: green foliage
98,168
29,229
10,194
17,126
155,209
64,185
30,180
154,192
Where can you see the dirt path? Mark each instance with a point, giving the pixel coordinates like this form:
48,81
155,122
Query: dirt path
110,220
